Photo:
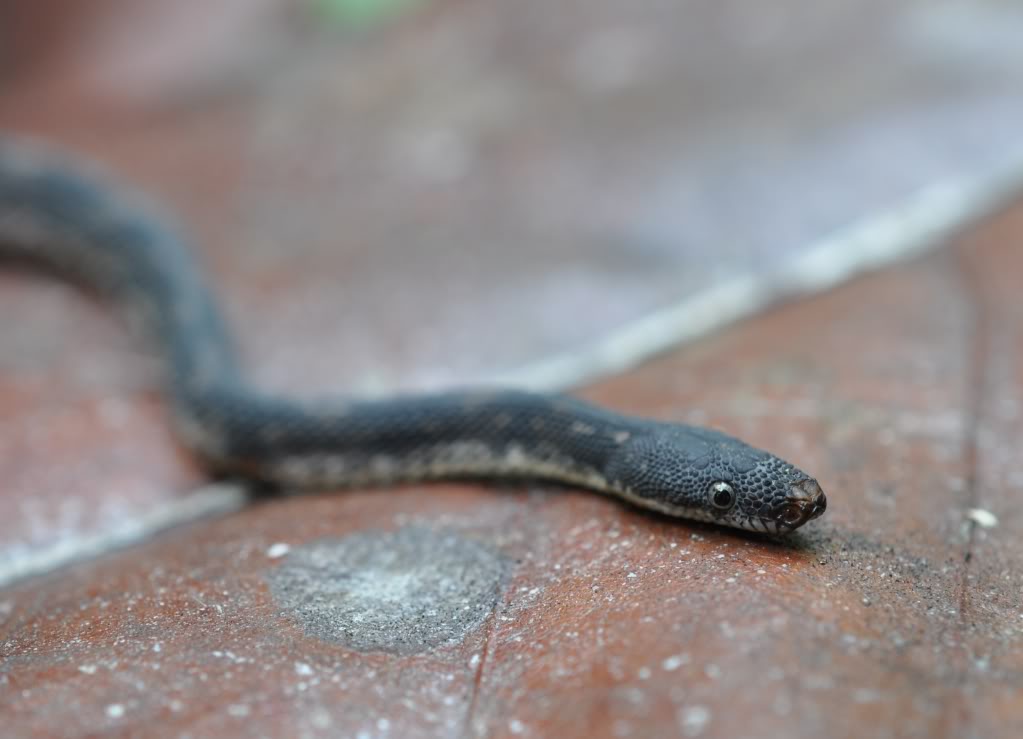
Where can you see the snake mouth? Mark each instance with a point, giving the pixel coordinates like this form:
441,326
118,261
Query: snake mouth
805,503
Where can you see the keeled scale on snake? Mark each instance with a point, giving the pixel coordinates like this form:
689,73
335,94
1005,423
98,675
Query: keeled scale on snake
58,214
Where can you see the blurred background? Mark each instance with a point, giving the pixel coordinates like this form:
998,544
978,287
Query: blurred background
412,193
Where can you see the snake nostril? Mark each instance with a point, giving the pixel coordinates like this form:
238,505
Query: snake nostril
792,514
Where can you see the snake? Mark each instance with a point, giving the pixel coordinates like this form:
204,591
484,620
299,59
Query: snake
69,216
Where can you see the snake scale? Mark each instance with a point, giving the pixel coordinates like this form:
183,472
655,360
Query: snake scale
66,217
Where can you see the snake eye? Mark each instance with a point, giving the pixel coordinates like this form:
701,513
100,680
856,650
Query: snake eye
722,496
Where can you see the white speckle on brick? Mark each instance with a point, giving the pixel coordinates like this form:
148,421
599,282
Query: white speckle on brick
115,710
673,663
694,720
277,550
984,519
301,668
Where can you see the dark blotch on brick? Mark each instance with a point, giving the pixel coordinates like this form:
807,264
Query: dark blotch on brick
404,591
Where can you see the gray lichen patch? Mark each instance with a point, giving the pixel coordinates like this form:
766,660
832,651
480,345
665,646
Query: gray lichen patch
404,591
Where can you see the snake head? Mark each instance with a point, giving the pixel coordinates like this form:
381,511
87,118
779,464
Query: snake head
707,475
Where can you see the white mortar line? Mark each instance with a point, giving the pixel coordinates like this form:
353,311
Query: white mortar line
922,222
205,502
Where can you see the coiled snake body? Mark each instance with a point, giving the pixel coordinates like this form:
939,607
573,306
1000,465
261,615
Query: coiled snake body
60,216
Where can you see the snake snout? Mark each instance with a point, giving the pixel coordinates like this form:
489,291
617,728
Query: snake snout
813,499
805,503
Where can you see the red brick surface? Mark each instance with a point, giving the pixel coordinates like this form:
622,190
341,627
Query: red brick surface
892,615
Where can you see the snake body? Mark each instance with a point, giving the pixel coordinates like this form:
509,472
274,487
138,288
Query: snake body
75,221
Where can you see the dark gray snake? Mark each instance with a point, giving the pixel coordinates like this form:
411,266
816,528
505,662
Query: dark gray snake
61,216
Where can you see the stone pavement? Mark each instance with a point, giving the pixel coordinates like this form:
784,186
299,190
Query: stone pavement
470,611
459,224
